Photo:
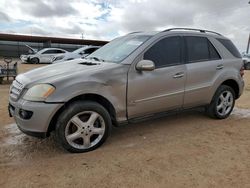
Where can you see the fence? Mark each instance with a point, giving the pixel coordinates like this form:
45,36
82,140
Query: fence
16,48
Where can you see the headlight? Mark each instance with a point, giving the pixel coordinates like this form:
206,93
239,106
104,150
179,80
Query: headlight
39,92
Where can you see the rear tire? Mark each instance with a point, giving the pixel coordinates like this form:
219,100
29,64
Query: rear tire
222,103
83,126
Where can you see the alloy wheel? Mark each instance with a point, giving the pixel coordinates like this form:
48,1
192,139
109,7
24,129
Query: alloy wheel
225,103
85,130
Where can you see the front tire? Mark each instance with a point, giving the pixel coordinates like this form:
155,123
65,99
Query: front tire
83,126
222,103
34,60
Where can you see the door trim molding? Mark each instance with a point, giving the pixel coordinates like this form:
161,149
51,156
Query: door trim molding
156,97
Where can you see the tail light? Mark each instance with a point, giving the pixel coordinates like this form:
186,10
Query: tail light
242,71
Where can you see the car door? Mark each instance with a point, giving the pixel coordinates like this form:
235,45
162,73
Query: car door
163,88
54,53
203,65
47,55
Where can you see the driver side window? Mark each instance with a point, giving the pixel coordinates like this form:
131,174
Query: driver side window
165,52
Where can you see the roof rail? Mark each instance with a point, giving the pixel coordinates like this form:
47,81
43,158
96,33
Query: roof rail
190,29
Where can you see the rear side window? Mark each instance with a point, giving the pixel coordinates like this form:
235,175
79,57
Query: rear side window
200,49
197,49
59,51
230,47
213,54
165,52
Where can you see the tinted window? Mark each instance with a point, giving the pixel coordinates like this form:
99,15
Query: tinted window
59,51
90,50
49,52
230,47
53,52
197,49
165,52
213,54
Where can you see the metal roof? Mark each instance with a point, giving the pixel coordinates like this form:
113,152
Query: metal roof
28,38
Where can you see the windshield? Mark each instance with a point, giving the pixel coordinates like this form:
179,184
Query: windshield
80,49
118,49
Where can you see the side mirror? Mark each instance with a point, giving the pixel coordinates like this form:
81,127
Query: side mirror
145,65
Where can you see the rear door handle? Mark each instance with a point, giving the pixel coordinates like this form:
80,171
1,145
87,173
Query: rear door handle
179,75
219,67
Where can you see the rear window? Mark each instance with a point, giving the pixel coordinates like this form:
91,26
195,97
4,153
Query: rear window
230,47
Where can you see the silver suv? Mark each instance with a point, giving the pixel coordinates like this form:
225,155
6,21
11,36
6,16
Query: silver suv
132,78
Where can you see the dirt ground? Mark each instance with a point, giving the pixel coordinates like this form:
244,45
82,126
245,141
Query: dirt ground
184,150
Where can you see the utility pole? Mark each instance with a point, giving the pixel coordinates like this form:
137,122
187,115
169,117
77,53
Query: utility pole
248,44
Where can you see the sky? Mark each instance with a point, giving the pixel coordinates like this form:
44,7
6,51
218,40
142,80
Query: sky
105,20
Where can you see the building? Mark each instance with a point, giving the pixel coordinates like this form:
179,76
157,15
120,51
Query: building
12,45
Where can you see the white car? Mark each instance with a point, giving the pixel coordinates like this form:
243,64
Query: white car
43,56
79,53
246,60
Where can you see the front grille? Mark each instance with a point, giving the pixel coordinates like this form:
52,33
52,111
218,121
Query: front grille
16,89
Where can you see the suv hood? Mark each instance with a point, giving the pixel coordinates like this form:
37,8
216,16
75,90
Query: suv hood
51,73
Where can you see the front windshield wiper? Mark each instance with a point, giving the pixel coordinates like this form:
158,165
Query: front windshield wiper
95,58
89,63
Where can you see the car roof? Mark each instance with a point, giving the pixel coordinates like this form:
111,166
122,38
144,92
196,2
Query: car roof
53,49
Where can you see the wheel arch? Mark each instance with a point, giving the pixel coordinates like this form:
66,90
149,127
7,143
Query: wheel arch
35,58
234,85
90,97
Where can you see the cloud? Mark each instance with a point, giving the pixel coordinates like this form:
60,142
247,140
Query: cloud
106,19
47,8
150,15
228,17
4,18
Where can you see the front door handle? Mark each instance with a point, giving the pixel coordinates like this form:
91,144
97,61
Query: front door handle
179,75
219,67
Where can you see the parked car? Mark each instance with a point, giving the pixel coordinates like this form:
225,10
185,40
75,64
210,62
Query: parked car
31,50
79,53
132,78
246,60
43,56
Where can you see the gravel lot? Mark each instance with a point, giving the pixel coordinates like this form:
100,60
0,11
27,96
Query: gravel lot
184,150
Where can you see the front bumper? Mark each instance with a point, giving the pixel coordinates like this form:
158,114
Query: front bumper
42,114
24,59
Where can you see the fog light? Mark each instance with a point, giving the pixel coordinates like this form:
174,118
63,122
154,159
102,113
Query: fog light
25,114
